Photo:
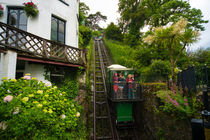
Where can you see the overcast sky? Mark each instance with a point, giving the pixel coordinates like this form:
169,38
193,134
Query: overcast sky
109,8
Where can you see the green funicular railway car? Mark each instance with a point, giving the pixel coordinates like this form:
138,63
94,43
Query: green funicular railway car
123,92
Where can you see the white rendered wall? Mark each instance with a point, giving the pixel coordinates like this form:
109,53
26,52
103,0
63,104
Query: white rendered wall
36,70
1,66
41,25
8,64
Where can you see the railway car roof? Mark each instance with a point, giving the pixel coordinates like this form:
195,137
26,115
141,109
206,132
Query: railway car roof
117,67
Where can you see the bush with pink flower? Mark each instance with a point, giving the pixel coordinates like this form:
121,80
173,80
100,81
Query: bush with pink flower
176,104
30,109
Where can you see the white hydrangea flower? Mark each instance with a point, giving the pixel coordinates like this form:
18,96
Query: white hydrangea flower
63,116
16,111
3,126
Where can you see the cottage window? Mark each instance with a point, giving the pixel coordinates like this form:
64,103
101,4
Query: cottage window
58,30
17,18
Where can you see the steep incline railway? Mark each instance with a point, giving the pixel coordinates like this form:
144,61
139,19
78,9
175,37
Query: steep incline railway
104,120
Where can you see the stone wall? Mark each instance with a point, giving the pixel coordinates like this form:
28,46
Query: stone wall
153,123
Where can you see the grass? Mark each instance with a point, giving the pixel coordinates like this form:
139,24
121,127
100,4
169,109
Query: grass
120,53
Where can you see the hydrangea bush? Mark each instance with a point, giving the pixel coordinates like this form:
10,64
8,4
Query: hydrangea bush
30,109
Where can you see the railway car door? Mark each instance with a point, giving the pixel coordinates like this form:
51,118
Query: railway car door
124,112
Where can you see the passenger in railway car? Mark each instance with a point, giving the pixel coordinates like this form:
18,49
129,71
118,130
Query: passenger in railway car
132,76
121,81
133,91
115,84
129,82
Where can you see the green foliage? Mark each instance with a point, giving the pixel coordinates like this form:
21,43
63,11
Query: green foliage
93,20
71,87
200,57
80,40
158,71
131,40
160,134
31,9
83,11
135,14
113,32
85,36
177,105
159,67
120,53
89,54
32,110
174,38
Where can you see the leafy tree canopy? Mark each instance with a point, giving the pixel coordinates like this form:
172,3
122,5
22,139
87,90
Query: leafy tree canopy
201,57
174,38
113,32
137,13
83,12
93,20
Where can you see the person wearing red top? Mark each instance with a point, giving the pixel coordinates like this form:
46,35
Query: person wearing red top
115,84
129,81
121,81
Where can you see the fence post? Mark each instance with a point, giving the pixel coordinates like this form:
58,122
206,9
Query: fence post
205,100
194,79
207,81
45,48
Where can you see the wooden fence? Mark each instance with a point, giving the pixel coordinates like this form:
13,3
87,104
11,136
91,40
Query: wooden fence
30,44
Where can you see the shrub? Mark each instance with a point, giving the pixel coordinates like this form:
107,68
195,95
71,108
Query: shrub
96,33
86,35
158,71
80,40
29,109
160,67
178,105
131,40
113,32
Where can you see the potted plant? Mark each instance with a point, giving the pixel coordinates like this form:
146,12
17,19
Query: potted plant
1,10
31,9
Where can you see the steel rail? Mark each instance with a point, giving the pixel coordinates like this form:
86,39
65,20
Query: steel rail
105,90
106,53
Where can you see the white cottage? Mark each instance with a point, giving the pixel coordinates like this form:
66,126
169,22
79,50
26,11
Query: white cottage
28,44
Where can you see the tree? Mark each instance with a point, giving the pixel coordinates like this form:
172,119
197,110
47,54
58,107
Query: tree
85,35
138,13
162,12
201,57
93,20
83,12
174,38
113,32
